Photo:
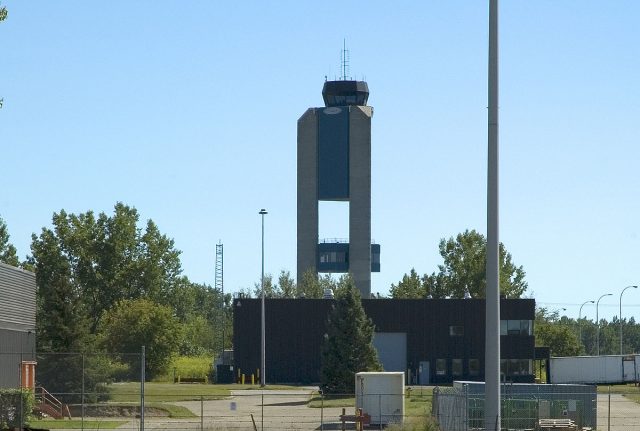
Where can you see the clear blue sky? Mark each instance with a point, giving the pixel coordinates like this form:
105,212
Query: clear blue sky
188,112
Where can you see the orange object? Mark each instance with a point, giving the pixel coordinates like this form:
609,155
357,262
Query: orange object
28,374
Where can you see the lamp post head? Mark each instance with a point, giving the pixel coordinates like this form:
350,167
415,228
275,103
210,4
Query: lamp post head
263,211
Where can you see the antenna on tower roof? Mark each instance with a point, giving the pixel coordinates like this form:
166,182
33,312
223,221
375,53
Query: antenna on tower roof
344,60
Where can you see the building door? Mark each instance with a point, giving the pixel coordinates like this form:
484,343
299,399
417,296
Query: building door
392,350
424,373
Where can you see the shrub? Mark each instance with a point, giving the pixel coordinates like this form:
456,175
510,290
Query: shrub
15,407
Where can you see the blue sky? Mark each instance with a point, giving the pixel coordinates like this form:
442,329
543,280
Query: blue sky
188,112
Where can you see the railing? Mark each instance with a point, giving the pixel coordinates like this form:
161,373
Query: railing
49,404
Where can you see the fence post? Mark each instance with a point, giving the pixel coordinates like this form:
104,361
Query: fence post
201,413
142,365
466,407
609,413
82,400
21,392
321,411
379,411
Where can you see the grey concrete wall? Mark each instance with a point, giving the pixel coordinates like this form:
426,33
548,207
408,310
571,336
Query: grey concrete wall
307,192
360,197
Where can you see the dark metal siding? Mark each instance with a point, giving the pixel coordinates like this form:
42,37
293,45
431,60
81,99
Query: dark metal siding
15,346
295,330
17,298
17,322
333,154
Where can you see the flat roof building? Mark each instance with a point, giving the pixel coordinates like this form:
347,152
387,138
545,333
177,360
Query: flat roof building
434,341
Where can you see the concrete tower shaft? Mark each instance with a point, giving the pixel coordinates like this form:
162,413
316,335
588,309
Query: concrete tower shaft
334,164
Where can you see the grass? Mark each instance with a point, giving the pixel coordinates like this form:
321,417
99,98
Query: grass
76,424
332,401
167,392
629,388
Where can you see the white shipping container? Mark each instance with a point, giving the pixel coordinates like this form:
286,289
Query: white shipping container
381,396
594,369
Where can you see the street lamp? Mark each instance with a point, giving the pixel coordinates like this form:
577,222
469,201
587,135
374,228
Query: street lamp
262,331
580,318
620,315
598,324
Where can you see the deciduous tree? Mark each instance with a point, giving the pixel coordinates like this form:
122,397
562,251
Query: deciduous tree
141,322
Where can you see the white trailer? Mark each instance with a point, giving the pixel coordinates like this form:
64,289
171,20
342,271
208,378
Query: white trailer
595,369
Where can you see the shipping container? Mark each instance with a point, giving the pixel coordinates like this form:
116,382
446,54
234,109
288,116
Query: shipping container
594,369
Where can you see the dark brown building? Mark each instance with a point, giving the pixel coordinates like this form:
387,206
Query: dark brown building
434,341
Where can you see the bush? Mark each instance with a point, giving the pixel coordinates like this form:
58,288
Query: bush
15,407
189,367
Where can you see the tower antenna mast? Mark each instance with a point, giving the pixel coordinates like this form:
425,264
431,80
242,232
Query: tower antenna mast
344,60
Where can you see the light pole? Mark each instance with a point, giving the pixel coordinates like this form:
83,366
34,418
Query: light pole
598,324
492,419
262,331
620,315
580,318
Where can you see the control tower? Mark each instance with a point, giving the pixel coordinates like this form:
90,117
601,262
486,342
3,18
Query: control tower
334,164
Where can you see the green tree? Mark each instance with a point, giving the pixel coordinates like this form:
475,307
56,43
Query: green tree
270,290
110,258
411,287
348,344
286,284
558,334
61,319
8,252
141,322
464,268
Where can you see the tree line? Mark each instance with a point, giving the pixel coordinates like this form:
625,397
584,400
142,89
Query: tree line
566,336
106,285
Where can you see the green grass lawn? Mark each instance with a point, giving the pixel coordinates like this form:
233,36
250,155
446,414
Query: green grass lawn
75,424
629,388
332,401
167,392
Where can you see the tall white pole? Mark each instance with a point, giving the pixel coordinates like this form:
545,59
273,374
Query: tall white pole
598,324
620,315
492,335
262,319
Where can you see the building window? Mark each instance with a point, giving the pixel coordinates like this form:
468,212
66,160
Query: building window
474,367
456,331
333,257
456,367
441,367
515,367
515,327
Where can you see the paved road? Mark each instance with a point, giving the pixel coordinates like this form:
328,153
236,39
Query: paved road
271,410
625,414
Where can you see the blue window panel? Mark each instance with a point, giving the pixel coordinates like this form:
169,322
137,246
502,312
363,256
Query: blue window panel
375,257
333,153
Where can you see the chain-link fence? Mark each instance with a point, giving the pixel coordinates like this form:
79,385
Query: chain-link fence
74,391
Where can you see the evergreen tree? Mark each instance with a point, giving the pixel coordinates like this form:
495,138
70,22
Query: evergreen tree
348,344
